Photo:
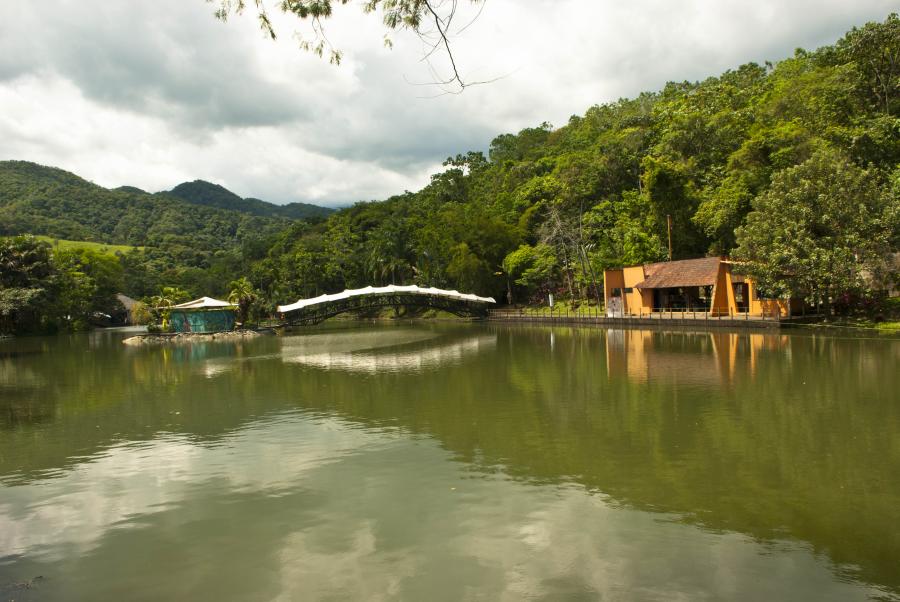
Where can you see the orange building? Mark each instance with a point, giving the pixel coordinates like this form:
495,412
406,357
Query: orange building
704,285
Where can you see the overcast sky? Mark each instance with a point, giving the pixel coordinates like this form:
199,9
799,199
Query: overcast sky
152,94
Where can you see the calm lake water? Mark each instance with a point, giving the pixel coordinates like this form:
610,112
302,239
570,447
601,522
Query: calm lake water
451,462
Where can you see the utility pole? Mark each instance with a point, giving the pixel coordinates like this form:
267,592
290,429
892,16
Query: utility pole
669,223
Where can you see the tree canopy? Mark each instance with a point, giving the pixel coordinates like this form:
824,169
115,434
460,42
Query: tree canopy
819,229
792,167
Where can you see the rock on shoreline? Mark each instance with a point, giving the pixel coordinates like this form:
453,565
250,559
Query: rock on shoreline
189,337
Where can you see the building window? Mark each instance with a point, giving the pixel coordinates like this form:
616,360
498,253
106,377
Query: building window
629,290
617,292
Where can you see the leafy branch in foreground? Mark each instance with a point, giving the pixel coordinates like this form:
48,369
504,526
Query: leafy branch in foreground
431,20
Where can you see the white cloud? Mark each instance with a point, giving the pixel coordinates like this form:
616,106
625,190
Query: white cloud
154,94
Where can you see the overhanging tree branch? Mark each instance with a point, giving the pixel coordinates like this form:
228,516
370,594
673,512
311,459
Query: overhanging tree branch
430,20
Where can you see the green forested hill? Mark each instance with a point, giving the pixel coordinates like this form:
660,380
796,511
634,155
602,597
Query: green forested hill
35,199
204,193
793,167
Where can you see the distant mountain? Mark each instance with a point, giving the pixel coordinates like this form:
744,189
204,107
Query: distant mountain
133,189
208,194
35,199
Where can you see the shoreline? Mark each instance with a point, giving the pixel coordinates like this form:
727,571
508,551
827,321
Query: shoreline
158,338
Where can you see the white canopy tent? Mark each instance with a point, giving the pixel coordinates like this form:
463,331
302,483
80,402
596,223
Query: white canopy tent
203,303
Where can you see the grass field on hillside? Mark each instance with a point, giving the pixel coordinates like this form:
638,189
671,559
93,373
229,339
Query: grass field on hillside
101,247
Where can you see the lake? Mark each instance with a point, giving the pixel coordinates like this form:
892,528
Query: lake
452,462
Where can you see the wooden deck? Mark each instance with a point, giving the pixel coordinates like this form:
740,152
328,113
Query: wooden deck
692,319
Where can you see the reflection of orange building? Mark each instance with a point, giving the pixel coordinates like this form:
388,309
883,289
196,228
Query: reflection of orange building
705,285
649,355
711,358
766,343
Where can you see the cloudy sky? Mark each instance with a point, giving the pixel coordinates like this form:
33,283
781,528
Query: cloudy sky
151,94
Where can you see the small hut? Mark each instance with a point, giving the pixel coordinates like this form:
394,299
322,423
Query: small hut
203,315
122,317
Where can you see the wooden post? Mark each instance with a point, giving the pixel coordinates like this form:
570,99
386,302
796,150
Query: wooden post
669,224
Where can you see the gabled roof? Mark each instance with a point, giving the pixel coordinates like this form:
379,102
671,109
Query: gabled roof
204,303
126,301
685,272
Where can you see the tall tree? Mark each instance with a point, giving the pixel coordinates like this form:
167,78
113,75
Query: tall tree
243,294
531,268
875,48
27,277
819,229
162,303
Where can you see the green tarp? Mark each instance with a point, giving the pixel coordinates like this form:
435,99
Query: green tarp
220,320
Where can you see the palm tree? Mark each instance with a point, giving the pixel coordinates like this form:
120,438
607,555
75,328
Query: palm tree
243,295
167,297
395,266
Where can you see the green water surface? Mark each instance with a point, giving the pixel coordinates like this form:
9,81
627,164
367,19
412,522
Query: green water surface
451,462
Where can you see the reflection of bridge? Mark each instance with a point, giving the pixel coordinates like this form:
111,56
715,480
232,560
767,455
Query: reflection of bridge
375,352
317,309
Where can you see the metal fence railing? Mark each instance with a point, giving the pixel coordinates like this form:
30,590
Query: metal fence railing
599,313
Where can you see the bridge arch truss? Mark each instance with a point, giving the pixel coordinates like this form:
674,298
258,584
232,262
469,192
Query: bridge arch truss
307,312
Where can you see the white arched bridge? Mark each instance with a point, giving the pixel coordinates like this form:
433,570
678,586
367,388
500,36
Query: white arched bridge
318,309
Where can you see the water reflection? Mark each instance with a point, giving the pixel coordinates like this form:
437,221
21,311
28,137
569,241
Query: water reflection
321,509
690,358
374,352
148,477
395,463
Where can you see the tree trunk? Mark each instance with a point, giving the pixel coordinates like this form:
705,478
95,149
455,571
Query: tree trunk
826,302
593,277
568,272
581,288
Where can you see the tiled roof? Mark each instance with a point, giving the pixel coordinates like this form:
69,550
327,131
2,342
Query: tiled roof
686,272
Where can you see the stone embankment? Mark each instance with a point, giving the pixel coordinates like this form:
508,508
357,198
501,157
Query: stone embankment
188,337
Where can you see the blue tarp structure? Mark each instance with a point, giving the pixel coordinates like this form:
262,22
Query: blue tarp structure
203,315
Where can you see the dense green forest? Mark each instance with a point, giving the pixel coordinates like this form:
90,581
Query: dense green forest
194,242
550,208
43,200
793,168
